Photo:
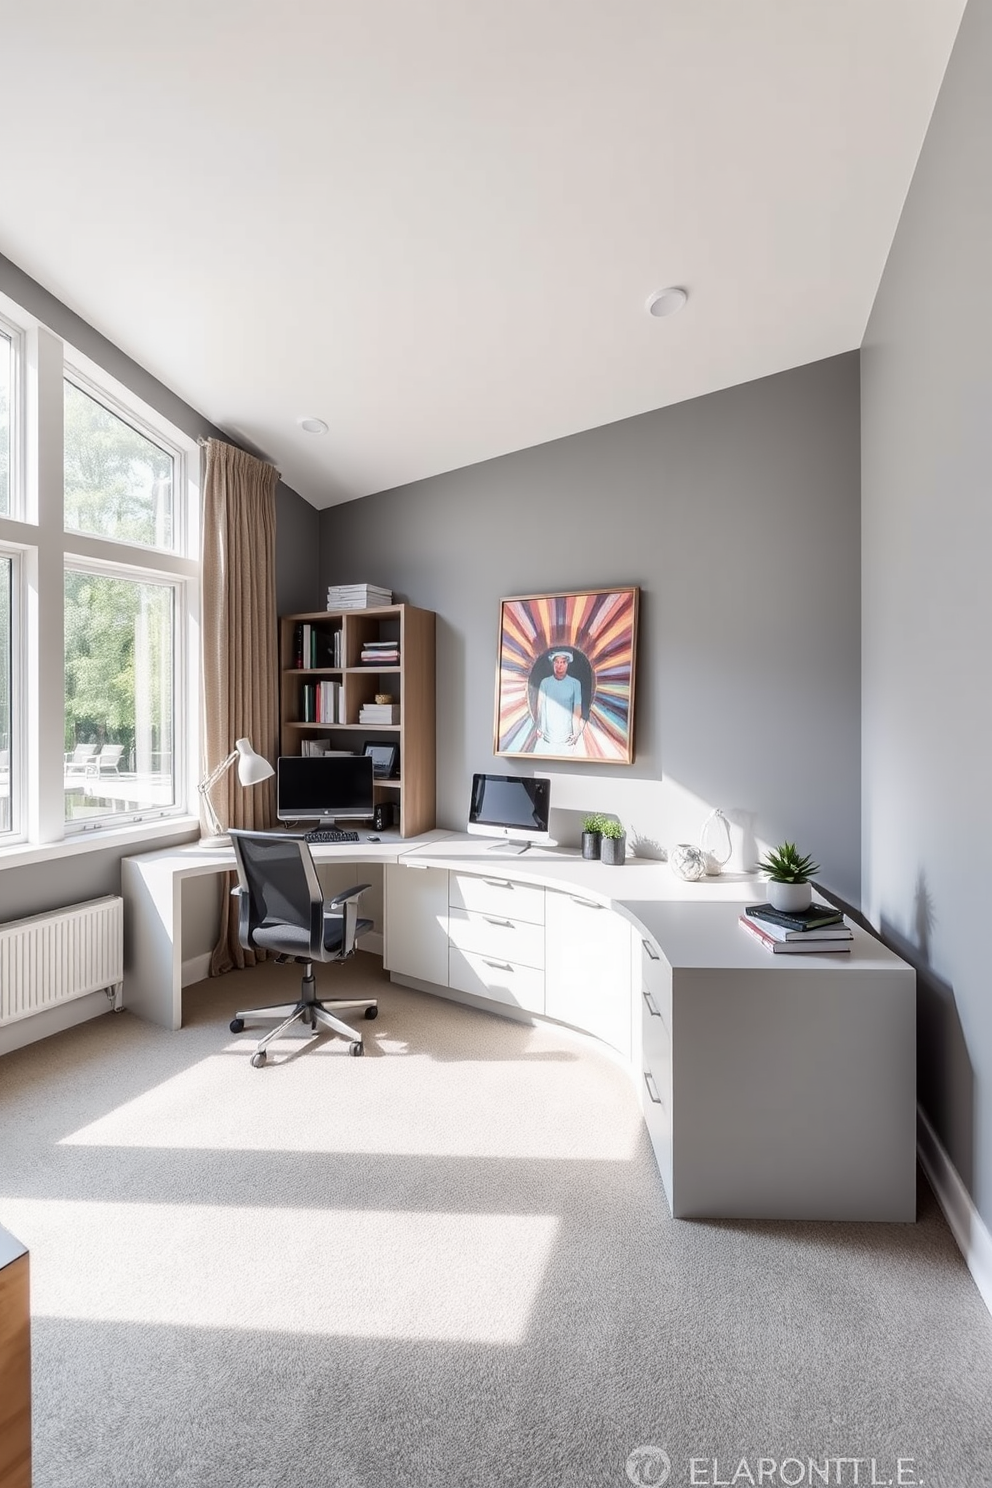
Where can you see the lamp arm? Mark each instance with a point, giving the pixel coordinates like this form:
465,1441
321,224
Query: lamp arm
206,785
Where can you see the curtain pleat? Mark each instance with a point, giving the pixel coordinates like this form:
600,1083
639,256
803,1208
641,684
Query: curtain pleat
240,661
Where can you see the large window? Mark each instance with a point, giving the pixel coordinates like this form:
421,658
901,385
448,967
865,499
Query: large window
118,481
97,716
6,638
119,710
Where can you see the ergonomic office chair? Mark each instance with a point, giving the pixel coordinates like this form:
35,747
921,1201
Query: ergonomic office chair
281,908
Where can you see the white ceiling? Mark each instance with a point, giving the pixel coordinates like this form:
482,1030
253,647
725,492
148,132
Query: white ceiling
435,223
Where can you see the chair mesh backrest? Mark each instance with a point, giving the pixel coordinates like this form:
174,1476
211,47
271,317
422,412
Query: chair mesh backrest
278,886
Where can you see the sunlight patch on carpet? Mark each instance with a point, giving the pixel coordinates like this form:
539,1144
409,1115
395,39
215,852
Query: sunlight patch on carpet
390,1274
541,1107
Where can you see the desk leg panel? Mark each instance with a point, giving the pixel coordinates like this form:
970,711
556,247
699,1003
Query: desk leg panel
153,941
794,1095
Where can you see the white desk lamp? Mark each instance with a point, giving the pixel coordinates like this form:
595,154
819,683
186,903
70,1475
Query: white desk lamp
252,769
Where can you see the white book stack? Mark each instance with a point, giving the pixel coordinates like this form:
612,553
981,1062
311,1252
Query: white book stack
377,714
330,700
358,596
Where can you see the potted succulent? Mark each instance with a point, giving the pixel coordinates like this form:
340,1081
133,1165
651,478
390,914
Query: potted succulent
613,842
592,831
789,874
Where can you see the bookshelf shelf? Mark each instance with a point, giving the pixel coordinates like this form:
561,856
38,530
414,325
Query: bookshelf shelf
354,685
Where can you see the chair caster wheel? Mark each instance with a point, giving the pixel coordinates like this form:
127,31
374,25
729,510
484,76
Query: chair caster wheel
371,1012
237,1024
257,1060
357,1048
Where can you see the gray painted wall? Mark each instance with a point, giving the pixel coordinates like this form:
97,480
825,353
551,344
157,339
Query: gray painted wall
43,886
738,516
927,603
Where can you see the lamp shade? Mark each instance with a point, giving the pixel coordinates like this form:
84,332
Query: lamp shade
252,768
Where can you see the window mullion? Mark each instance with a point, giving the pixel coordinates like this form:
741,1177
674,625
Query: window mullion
44,584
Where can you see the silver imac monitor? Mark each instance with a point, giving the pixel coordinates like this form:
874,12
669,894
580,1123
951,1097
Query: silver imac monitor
324,788
515,808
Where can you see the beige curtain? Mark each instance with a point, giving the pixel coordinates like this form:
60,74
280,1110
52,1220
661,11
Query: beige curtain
240,663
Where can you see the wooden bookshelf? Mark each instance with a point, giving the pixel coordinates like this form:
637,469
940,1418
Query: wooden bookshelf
410,683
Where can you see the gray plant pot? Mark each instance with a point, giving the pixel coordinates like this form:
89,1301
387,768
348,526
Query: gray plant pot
590,844
613,850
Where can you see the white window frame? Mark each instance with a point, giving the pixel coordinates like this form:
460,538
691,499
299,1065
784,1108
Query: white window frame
42,362
15,415
17,771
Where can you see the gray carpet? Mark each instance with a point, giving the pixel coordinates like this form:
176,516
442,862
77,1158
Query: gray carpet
450,1263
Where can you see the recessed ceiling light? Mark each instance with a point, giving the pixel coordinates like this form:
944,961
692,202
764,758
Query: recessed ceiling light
666,301
312,425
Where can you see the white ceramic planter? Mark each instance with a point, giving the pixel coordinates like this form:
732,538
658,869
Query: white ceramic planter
790,897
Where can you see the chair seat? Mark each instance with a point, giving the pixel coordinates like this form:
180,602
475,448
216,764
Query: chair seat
292,940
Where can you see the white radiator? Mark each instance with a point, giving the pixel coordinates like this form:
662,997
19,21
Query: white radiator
52,958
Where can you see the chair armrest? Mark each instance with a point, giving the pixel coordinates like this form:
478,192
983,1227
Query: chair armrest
345,895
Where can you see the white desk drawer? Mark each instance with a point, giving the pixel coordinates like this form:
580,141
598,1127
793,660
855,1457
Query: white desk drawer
493,895
487,976
495,936
656,983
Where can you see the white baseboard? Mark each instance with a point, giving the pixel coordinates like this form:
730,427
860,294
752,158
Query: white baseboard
196,969
964,1220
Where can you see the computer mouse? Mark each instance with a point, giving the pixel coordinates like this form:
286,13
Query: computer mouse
373,839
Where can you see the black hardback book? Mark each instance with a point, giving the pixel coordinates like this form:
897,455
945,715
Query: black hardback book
813,918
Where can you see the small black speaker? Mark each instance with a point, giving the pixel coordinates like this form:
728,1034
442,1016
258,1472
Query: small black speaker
383,817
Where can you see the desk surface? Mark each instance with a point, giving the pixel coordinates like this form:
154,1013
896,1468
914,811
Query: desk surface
694,924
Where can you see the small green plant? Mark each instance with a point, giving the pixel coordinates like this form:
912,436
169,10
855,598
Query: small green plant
785,864
611,829
593,822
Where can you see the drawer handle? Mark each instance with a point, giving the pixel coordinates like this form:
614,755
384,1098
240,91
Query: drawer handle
650,1003
652,1088
421,866
498,883
490,920
650,950
498,965
586,903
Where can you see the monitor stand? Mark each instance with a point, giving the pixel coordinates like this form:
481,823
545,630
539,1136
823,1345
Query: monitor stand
510,846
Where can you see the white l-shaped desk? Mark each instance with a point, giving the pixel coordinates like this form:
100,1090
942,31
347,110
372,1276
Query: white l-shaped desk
772,1086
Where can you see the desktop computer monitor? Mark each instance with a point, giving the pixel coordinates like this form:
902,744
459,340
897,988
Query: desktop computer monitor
514,807
324,787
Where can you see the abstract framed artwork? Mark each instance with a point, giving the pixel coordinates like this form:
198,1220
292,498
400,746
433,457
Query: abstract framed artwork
565,676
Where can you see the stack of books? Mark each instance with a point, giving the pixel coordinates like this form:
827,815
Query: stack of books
377,714
380,653
358,596
322,702
818,931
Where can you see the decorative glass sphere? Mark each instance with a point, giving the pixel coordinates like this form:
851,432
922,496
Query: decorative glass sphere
688,861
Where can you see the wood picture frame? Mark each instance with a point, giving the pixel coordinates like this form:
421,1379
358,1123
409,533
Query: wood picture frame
565,672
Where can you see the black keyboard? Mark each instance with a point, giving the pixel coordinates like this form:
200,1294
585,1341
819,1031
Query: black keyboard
330,834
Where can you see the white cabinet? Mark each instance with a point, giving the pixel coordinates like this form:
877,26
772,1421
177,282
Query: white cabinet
587,974
496,940
416,937
652,985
